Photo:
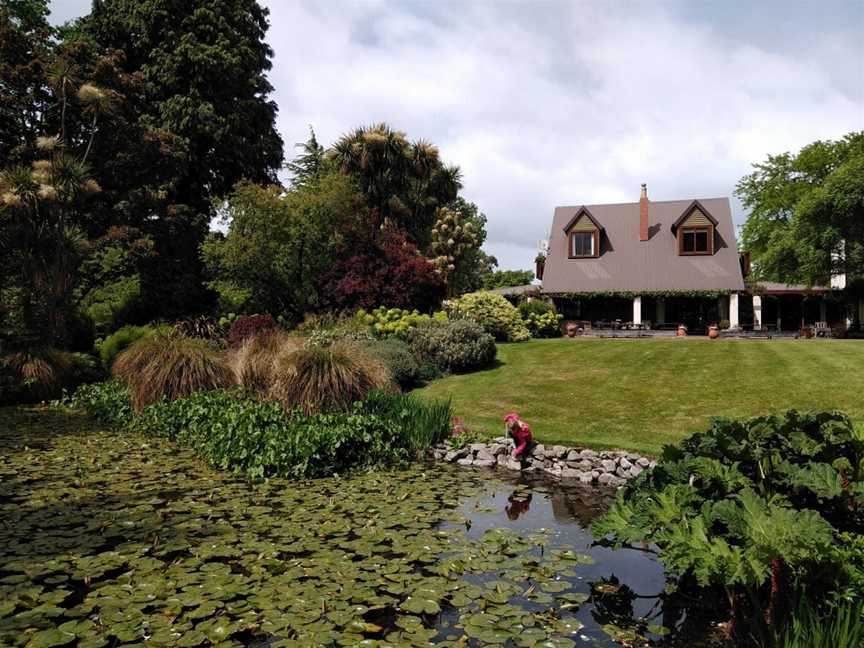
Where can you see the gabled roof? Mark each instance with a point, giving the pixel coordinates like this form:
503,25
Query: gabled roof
627,264
687,212
584,211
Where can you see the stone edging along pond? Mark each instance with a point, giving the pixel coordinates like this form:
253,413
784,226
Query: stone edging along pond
606,467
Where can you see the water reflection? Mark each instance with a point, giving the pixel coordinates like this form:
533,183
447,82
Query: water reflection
626,589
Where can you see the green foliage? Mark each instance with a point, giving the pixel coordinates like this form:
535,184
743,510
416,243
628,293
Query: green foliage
84,368
260,440
397,357
422,423
726,505
494,313
107,402
170,367
106,304
453,346
123,338
541,318
802,206
454,239
386,322
835,627
506,279
279,244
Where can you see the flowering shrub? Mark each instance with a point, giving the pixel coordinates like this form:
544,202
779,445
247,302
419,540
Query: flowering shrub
395,322
546,325
494,313
453,346
249,325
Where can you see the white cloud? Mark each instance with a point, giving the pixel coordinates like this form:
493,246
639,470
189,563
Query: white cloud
550,103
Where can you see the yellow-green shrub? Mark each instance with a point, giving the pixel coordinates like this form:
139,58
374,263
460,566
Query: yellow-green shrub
494,313
386,322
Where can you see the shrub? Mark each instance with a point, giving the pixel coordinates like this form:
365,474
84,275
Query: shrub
252,362
325,379
261,440
397,357
494,313
386,322
169,367
31,374
752,508
541,319
83,369
206,328
248,326
453,346
122,338
105,401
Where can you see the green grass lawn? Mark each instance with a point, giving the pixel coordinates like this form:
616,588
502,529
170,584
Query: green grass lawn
641,394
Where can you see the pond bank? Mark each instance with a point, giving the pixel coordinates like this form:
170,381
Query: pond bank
610,468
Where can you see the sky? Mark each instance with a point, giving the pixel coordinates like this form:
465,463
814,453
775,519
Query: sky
568,103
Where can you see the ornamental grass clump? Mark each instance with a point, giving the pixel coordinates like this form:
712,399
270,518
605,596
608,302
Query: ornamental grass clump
326,379
252,363
34,373
169,367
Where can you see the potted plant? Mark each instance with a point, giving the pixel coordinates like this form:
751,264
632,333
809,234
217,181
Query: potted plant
682,331
713,331
572,328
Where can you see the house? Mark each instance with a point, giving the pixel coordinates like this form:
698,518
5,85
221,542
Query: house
663,263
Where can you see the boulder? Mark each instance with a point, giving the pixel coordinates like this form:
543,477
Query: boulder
499,449
624,462
558,451
483,454
465,461
538,450
511,464
475,447
610,480
453,455
588,454
622,472
643,461
636,470
484,463
608,465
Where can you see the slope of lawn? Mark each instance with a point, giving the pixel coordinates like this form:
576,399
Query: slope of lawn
641,394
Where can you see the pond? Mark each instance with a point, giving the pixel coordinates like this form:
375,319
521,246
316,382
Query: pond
113,539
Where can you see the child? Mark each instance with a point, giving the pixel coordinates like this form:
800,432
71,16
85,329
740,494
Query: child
519,431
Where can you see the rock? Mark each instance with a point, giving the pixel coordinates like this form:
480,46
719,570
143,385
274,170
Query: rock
586,465
465,461
558,451
608,465
622,472
476,447
642,461
554,470
504,440
636,470
512,464
651,464
499,449
453,455
483,454
596,473
624,462
483,463
573,455
610,480
588,454
538,450
586,478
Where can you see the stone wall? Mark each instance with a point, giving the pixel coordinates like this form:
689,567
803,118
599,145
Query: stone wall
605,467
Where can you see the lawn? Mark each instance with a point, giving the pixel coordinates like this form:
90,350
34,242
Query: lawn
641,394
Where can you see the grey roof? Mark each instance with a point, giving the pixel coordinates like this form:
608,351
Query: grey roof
629,265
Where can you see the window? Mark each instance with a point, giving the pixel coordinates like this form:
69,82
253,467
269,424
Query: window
582,244
695,241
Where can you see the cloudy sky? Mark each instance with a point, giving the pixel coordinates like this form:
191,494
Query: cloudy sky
565,103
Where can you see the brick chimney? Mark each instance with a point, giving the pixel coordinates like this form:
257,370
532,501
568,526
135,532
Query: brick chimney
643,213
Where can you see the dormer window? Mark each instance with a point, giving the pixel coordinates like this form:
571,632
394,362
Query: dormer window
695,230
695,240
582,244
583,236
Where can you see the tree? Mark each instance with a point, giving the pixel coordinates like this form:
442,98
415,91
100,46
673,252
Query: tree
454,239
506,279
25,57
474,263
310,164
205,94
279,244
404,183
803,209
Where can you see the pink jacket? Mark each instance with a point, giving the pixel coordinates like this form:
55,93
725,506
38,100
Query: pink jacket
521,433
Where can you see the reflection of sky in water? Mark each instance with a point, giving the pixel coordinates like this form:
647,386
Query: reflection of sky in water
528,505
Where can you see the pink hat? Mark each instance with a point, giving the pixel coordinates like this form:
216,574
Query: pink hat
511,416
